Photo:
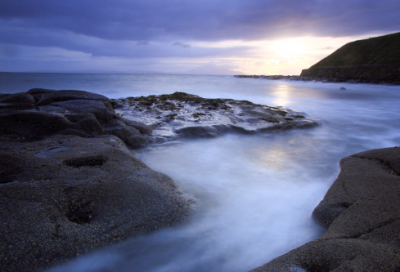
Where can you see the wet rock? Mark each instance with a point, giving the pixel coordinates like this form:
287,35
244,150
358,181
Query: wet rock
67,186
87,122
18,101
144,129
23,98
184,115
49,96
101,109
41,112
32,125
336,255
136,141
38,92
10,166
118,128
16,106
362,216
201,132
210,131
66,195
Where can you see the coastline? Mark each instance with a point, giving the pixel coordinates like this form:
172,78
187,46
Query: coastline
71,184
93,122
361,214
321,79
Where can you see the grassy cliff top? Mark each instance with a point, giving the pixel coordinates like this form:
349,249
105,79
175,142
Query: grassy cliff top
377,50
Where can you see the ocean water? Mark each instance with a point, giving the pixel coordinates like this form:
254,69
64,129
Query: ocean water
254,193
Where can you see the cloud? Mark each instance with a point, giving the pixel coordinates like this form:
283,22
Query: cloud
142,43
9,50
204,20
159,29
182,45
100,47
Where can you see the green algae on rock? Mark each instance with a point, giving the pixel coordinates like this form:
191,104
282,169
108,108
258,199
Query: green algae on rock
185,115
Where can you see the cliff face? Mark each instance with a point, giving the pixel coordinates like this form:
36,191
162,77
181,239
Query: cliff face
371,60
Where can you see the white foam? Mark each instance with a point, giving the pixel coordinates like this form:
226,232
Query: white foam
256,193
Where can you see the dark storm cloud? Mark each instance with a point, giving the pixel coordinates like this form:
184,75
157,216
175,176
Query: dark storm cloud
204,19
148,28
111,48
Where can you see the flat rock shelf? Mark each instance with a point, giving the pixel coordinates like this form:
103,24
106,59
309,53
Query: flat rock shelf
184,115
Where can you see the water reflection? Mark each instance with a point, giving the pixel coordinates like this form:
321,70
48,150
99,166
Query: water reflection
281,95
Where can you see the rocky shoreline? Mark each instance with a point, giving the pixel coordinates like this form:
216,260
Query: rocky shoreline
69,182
324,78
362,216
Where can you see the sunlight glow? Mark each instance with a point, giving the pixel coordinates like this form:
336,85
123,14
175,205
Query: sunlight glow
289,47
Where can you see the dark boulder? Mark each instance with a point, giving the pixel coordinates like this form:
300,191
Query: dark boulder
362,216
32,125
67,188
144,129
118,128
39,91
136,141
49,96
66,195
41,112
18,101
101,109
202,131
23,98
87,122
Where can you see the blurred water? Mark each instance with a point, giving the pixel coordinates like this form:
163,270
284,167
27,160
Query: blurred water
255,194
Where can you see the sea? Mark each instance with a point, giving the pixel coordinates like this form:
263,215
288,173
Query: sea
253,194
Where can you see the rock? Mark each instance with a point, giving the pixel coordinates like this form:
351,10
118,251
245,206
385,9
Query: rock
170,117
18,101
66,195
119,128
101,109
41,112
367,186
49,96
67,186
32,125
362,216
202,132
144,129
130,134
87,122
336,255
136,141
23,98
38,92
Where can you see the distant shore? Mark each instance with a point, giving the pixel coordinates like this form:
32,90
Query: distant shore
308,78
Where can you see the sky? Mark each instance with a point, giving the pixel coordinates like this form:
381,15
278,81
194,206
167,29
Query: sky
216,37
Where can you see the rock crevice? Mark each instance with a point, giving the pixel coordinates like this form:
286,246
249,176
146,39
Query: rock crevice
362,235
